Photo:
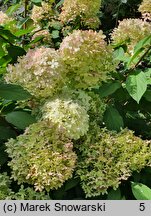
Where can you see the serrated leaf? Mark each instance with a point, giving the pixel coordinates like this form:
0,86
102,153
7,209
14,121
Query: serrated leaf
13,92
141,191
108,88
20,119
136,85
113,120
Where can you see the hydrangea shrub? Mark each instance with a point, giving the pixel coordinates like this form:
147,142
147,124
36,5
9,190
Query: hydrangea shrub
69,136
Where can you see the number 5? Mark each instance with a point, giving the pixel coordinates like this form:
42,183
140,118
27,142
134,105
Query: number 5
142,206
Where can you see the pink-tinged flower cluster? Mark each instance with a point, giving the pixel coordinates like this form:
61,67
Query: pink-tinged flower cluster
86,10
40,72
87,57
43,12
131,31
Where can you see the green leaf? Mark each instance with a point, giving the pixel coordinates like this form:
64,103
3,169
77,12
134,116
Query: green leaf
136,85
12,9
71,183
113,120
20,119
119,54
37,2
139,48
6,132
23,32
108,88
141,191
7,35
59,3
13,92
15,51
2,52
147,95
5,60
114,195
55,34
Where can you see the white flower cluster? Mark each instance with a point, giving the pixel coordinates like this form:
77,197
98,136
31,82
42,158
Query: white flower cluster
67,114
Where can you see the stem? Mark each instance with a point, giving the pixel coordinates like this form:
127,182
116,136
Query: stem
117,15
25,12
149,48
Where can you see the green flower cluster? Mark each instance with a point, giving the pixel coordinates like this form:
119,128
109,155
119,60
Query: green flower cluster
131,31
42,156
5,191
68,115
85,10
23,194
107,158
91,102
40,71
87,57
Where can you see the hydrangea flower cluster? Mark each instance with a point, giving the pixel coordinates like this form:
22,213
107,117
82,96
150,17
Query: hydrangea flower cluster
107,158
40,72
68,115
4,19
7,21
45,34
86,10
23,194
43,12
145,9
87,57
91,102
5,191
42,156
131,31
